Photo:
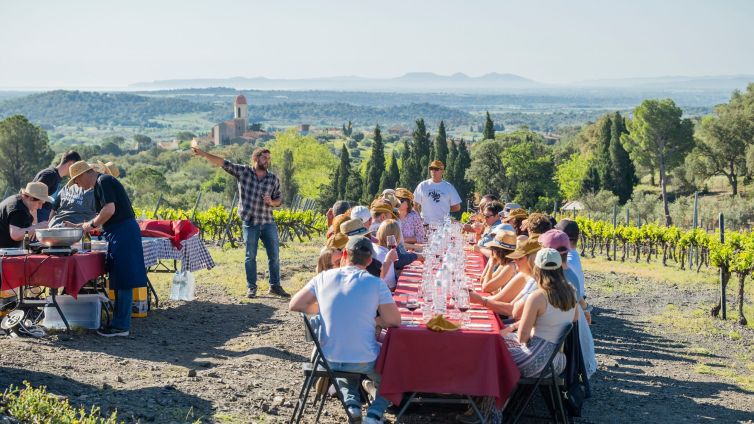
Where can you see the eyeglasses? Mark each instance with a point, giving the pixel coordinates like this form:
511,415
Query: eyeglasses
489,216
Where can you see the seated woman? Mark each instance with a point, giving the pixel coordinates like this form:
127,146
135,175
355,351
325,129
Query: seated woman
523,257
546,314
331,254
499,269
387,228
411,223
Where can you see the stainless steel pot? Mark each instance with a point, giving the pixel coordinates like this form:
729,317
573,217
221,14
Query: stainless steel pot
59,237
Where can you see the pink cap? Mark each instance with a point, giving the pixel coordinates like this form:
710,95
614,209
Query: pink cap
555,239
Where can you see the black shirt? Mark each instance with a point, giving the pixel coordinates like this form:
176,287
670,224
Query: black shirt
50,177
13,212
108,189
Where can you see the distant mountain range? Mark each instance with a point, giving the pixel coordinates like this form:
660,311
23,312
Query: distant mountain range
458,82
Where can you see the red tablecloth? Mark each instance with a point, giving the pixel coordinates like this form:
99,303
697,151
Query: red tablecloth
470,362
71,272
174,230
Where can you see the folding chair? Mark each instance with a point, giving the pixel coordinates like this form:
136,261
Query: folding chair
548,382
319,367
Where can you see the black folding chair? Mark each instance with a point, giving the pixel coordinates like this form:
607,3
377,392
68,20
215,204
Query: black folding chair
320,368
548,382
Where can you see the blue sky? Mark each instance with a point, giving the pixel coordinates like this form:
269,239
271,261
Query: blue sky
72,43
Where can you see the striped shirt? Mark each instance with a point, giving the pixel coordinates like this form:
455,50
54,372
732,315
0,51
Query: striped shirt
251,191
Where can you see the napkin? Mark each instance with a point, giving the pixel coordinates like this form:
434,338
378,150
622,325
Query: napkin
439,323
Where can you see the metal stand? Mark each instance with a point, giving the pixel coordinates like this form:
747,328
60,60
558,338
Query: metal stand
416,398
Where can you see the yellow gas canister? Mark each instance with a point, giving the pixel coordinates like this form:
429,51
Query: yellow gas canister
140,306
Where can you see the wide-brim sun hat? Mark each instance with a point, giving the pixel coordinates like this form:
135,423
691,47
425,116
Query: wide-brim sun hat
338,241
108,168
37,190
382,208
403,193
353,227
436,164
526,248
503,240
78,169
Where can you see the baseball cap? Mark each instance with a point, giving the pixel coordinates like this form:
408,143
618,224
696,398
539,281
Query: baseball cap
555,239
436,164
548,259
509,207
359,244
361,212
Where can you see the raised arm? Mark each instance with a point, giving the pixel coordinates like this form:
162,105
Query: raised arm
214,160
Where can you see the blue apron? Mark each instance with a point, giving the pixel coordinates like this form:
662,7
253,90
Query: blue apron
125,257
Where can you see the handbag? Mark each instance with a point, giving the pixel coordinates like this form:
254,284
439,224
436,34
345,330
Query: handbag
183,286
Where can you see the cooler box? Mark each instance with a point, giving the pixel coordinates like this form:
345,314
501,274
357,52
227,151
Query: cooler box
140,306
84,312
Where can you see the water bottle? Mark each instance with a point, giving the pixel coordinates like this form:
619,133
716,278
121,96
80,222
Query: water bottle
440,299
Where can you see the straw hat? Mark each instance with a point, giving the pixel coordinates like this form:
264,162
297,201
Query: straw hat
381,208
77,169
390,197
403,193
353,227
525,249
503,240
109,168
338,241
37,190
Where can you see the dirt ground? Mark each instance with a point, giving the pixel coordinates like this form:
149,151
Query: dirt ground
222,358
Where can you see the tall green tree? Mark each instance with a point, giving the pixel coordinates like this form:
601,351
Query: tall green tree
452,156
489,128
570,175
391,177
376,165
288,185
24,150
463,161
658,135
441,144
486,170
422,146
342,173
354,186
530,169
623,171
725,138
409,174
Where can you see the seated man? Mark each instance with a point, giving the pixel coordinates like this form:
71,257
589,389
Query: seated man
347,301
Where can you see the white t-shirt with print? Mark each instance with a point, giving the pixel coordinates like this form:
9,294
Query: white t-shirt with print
435,199
348,300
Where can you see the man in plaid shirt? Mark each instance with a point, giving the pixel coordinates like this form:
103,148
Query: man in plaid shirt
258,193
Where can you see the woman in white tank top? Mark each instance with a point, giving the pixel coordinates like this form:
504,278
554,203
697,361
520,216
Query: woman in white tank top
547,312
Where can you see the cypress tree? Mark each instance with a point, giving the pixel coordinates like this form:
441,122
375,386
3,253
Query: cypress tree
422,145
344,171
376,165
354,186
623,169
441,144
409,174
450,166
602,155
460,165
489,128
391,177
288,185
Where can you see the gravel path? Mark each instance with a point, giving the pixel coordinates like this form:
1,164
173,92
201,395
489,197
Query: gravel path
219,359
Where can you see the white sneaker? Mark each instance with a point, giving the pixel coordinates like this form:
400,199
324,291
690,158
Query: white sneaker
370,388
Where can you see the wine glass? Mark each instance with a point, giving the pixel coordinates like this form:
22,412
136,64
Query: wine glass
463,304
412,303
392,243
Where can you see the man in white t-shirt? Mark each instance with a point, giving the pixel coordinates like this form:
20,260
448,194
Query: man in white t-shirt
435,197
347,301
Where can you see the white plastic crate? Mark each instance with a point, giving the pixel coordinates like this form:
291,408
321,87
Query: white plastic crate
84,312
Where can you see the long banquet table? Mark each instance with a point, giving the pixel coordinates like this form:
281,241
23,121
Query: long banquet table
472,362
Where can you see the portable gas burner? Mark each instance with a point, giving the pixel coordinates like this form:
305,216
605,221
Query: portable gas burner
59,251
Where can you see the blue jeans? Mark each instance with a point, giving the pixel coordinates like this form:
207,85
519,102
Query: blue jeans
268,233
124,300
350,387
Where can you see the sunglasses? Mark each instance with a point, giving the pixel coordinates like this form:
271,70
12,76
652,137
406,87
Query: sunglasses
489,215
404,200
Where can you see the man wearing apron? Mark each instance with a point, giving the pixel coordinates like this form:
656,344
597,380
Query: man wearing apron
125,257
